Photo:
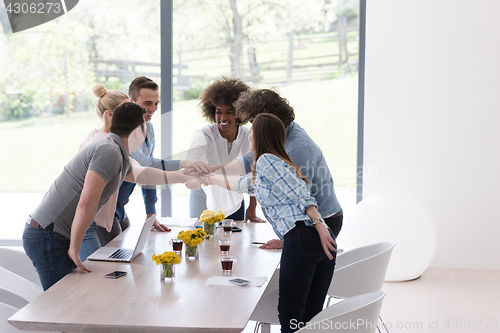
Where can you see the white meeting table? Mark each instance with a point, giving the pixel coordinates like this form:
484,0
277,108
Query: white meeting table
140,302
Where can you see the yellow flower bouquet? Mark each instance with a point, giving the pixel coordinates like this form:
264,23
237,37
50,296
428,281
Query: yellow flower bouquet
209,218
167,260
192,238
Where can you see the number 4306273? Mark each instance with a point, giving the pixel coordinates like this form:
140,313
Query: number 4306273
33,8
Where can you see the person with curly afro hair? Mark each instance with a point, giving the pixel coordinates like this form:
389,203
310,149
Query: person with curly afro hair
303,152
221,142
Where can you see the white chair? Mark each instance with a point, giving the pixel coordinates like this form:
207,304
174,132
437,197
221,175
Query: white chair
18,262
360,271
266,311
7,311
18,285
9,298
356,314
273,282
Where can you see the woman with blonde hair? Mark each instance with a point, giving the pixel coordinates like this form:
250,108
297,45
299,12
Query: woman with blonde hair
103,229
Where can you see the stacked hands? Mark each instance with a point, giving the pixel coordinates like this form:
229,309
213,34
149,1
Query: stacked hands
202,174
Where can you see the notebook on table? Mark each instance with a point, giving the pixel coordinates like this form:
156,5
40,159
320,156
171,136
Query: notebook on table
124,254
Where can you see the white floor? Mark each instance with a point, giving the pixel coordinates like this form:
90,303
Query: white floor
449,300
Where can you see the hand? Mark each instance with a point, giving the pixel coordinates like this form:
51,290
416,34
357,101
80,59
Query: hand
204,179
326,239
255,219
73,255
272,244
251,217
193,184
199,167
157,225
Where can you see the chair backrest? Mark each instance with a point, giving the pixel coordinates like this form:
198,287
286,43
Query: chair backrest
18,262
9,298
361,270
7,311
273,282
18,285
356,314
266,310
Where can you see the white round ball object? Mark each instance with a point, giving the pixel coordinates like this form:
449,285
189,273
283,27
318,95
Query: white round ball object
391,217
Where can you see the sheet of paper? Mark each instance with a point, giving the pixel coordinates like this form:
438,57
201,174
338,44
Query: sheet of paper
177,222
224,281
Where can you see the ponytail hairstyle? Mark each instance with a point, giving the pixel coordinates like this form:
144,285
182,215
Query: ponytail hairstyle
269,136
107,99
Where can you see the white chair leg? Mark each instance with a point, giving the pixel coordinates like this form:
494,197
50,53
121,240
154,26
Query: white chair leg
330,298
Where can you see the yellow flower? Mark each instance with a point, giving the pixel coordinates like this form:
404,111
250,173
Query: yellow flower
211,217
170,258
192,237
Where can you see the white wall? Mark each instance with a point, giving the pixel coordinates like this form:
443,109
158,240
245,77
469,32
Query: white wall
432,118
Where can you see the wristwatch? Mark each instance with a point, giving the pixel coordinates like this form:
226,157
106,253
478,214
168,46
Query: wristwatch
317,220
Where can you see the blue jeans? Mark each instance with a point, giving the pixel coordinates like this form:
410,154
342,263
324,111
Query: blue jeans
90,242
305,276
48,251
197,202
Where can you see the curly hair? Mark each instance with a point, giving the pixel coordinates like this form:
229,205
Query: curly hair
224,91
254,102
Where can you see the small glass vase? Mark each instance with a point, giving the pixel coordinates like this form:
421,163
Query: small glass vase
167,272
209,228
192,252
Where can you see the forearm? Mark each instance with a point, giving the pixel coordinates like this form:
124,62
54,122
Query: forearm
84,216
312,212
232,168
146,161
174,177
253,203
151,176
224,182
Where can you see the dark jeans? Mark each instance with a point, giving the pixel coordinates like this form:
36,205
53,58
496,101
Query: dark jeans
118,227
124,193
239,214
305,276
48,251
335,224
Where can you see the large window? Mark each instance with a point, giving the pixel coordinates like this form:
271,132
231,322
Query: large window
46,101
307,50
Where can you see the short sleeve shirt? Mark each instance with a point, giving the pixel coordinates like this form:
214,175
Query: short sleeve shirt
107,157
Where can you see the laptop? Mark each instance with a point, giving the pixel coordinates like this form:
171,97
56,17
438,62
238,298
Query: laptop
122,254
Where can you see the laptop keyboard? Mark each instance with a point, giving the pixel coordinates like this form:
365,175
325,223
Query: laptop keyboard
121,254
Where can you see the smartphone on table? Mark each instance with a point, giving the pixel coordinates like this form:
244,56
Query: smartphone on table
239,282
116,274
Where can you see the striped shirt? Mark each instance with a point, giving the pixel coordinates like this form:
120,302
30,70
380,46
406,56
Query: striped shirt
280,191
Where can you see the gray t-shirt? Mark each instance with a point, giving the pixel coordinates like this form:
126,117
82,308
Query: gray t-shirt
108,158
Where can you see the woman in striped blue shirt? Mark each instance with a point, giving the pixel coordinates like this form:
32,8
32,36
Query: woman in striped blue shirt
309,248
